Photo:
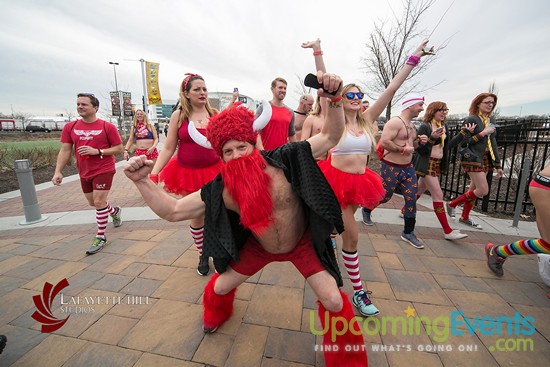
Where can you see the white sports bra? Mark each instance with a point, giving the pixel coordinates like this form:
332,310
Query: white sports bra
351,144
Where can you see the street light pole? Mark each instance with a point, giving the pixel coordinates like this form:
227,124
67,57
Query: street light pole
118,95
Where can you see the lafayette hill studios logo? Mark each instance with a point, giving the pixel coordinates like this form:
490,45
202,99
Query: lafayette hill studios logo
43,303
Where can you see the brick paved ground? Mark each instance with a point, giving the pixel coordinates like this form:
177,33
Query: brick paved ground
271,323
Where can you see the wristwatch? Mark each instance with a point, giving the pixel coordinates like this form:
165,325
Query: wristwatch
100,153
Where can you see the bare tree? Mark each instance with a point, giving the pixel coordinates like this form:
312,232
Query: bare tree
493,89
389,47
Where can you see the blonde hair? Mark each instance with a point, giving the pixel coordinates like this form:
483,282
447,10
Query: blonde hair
146,121
365,126
317,109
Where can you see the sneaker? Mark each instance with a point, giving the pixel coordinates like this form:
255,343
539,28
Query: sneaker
411,238
363,303
366,218
209,330
494,262
455,235
3,341
117,218
451,211
203,268
97,245
470,222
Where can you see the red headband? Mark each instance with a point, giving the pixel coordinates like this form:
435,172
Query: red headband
187,78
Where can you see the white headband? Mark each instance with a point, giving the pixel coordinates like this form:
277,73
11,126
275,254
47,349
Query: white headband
411,100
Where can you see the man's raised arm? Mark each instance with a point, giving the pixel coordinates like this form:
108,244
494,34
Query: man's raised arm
165,206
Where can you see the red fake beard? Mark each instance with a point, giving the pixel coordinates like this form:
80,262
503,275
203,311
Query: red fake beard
250,187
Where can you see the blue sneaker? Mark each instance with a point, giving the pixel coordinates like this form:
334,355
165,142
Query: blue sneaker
363,303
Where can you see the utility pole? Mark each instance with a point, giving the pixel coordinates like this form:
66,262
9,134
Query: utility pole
118,95
145,99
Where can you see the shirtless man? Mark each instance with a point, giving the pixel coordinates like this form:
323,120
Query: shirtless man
314,121
255,215
399,141
300,114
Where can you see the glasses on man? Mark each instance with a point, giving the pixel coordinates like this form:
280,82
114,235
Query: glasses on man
351,95
86,94
488,103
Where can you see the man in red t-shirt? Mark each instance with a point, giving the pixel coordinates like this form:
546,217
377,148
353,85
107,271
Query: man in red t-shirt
95,143
280,128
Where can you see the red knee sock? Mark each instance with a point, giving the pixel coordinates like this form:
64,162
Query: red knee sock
468,205
439,210
467,196
217,308
335,343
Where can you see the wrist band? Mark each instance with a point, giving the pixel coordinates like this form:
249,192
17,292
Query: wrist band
336,99
317,53
413,60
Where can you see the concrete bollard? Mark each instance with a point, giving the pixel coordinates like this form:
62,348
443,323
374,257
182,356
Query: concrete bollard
28,192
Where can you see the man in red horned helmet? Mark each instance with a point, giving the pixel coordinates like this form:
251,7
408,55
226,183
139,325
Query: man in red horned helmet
264,207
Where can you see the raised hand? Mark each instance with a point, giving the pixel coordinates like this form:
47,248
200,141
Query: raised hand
315,45
138,168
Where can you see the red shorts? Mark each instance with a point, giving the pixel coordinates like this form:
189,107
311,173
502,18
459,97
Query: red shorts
253,257
154,155
100,182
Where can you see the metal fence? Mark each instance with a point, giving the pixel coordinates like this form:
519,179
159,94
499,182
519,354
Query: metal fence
519,142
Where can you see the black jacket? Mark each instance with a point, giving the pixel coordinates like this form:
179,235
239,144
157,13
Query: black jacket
421,157
476,142
224,236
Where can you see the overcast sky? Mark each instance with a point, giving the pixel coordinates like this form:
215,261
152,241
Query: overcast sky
51,50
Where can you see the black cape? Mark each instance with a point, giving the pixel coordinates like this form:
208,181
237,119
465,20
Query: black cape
224,236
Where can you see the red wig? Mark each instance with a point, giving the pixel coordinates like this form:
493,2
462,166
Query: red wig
234,123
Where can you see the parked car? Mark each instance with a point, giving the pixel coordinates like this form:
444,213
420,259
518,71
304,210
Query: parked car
35,128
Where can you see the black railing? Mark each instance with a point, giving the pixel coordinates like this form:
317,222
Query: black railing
516,139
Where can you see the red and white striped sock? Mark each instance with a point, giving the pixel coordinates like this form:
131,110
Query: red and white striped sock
351,261
101,218
198,235
111,209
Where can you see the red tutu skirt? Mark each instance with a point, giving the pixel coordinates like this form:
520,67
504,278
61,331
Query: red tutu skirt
184,180
365,189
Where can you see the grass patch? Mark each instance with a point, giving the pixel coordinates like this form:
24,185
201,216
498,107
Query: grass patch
29,145
40,153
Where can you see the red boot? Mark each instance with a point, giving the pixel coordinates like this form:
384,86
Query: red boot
342,350
217,308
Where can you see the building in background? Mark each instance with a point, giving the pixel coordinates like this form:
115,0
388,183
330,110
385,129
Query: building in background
220,100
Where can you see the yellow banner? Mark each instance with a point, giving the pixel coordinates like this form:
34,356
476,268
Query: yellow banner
153,90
